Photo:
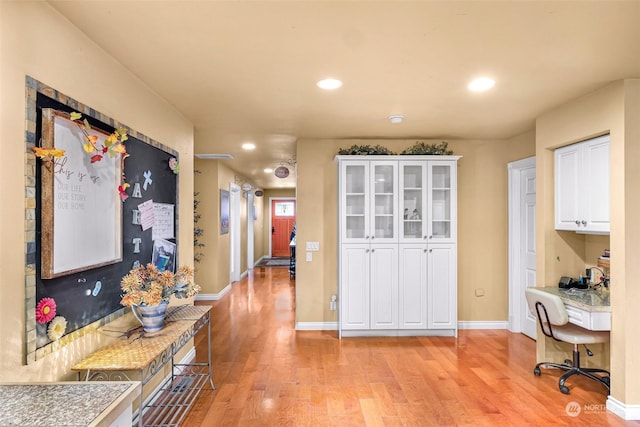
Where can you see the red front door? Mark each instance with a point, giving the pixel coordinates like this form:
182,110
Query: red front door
283,217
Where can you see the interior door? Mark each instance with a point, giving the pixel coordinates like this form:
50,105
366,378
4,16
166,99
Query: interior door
283,218
527,271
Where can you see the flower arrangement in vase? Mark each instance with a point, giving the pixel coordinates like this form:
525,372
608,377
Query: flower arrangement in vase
148,290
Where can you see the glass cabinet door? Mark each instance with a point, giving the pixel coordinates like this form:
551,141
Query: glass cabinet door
384,200
355,201
412,200
441,201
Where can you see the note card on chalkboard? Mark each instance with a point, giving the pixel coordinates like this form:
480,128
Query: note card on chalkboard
81,208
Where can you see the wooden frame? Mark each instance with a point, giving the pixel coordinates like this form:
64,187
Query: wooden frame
80,202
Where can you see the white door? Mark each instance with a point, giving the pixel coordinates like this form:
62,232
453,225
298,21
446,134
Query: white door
441,286
596,175
354,286
528,246
522,243
383,276
413,286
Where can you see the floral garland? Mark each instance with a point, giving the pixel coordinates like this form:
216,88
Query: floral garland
113,145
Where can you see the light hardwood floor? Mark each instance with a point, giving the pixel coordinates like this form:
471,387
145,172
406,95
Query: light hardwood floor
267,374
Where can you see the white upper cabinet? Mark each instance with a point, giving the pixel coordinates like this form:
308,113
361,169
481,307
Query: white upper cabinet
582,180
427,201
369,201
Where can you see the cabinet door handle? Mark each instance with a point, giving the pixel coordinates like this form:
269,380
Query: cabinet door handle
424,237
577,222
425,251
430,250
584,222
373,250
366,251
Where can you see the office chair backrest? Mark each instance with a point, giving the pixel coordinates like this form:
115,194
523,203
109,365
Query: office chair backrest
548,308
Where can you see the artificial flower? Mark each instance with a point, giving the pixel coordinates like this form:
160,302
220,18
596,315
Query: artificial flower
47,153
45,310
75,116
174,165
123,194
56,328
96,158
146,285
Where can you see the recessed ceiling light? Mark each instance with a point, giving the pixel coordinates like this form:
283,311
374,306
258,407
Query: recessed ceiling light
395,119
268,170
481,84
329,84
248,146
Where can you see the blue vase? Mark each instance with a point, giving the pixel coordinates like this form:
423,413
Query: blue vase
151,317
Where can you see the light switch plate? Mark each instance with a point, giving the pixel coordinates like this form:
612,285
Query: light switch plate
313,246
309,257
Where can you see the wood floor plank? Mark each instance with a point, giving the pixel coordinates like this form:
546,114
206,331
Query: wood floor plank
268,374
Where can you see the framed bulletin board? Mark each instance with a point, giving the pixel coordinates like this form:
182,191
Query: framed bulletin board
80,204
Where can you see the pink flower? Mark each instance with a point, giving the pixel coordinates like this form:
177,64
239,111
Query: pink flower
45,310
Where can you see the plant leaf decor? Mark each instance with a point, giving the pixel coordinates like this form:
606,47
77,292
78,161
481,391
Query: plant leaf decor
422,147
364,150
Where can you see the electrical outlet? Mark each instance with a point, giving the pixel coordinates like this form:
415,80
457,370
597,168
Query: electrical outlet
309,256
332,306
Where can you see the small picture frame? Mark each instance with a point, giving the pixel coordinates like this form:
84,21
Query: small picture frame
164,255
224,211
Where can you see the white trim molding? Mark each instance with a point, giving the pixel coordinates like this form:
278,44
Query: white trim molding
483,324
316,326
626,412
214,297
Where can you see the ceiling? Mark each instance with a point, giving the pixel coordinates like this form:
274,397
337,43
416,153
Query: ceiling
246,70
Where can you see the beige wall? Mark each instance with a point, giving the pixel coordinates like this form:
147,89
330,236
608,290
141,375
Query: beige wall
614,109
36,41
482,223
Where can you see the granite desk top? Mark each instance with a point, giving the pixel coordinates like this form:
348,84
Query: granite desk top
587,299
65,404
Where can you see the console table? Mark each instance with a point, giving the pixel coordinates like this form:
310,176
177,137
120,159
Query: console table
139,356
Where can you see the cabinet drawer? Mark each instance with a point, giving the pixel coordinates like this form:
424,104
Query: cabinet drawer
592,320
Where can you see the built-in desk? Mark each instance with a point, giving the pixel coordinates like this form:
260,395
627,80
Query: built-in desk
142,356
587,308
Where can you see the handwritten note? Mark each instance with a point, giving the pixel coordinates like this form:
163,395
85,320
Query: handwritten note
146,214
163,221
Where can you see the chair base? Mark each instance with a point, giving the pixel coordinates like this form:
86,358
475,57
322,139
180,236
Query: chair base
575,369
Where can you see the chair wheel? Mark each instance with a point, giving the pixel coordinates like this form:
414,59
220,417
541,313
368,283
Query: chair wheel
536,371
564,389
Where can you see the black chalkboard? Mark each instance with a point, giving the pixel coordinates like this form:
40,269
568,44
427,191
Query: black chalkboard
84,297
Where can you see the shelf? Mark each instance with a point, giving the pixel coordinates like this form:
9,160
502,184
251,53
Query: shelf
604,263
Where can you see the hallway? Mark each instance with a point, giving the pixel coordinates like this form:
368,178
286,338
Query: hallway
267,374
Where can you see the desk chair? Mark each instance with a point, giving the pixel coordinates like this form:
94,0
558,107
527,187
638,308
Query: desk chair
554,321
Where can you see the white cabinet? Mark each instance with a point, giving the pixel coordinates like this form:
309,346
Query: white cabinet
397,245
582,177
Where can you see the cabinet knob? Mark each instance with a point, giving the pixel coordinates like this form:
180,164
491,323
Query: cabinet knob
373,250
430,250
584,222
577,222
431,237
425,251
424,237
373,237
366,237
366,251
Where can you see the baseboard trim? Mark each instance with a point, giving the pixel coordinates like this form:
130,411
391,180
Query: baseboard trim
626,412
316,326
485,324
214,297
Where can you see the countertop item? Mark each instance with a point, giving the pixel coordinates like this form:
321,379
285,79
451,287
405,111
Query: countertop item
66,404
587,299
